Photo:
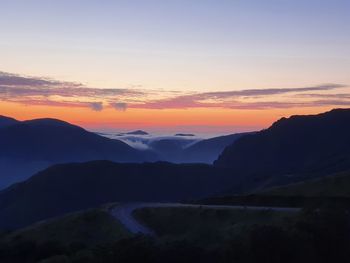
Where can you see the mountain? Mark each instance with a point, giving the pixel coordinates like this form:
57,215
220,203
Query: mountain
207,151
184,134
57,141
292,149
42,142
179,148
6,121
171,149
137,132
187,150
69,187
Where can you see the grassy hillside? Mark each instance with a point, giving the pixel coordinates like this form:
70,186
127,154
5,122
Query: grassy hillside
71,187
187,235
332,186
204,226
89,228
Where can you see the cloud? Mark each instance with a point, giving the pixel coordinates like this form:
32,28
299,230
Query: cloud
334,96
96,106
119,106
9,79
260,105
233,99
48,92
264,92
42,91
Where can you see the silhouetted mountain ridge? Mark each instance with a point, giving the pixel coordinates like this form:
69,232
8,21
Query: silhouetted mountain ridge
6,121
36,144
58,141
208,150
70,187
314,144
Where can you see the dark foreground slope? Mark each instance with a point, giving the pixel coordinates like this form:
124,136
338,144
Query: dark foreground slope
70,187
337,185
29,146
292,149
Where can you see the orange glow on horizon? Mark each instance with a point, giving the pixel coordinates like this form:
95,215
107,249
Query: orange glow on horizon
139,118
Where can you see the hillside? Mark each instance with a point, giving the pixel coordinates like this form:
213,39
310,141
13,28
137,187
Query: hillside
208,150
70,187
57,141
171,149
292,149
336,185
88,228
6,121
29,146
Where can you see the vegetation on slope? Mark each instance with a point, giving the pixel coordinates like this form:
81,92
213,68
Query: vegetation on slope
91,227
292,149
321,235
204,226
335,185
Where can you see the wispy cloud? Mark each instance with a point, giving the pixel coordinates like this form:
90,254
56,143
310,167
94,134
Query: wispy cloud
236,99
14,85
8,79
43,91
334,96
48,92
264,92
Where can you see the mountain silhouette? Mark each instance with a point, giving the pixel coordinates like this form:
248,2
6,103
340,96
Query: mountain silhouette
188,150
50,141
292,148
171,149
137,132
184,134
208,150
6,121
70,187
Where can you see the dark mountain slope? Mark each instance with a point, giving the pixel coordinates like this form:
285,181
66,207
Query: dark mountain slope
192,150
171,149
70,187
303,146
6,121
57,141
208,150
329,186
29,146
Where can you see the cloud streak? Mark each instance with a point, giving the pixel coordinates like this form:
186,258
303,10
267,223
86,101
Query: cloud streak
47,92
15,85
236,99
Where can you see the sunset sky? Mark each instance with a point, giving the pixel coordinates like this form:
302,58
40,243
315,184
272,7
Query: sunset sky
204,66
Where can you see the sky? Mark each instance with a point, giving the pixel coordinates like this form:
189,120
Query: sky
206,66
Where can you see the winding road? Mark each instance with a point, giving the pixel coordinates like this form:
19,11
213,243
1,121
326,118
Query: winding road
124,213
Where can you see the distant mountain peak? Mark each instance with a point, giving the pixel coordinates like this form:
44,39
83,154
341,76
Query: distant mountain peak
185,135
137,132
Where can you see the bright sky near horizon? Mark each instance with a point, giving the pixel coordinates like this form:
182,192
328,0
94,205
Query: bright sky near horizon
208,65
